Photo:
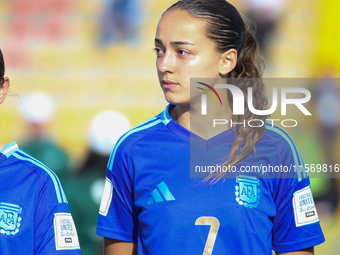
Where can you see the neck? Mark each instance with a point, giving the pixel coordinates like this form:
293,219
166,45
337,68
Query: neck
181,114
203,125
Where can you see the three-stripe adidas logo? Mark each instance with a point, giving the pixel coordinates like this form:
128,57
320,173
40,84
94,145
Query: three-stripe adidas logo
160,194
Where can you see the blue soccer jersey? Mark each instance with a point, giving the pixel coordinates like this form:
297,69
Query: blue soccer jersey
34,214
149,197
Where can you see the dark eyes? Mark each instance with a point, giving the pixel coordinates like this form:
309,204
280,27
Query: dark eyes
183,52
160,52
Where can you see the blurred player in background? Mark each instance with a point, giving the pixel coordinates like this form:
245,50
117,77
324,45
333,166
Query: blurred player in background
34,214
150,205
265,14
38,110
85,189
120,20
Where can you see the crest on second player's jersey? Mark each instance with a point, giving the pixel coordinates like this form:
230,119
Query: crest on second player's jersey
247,191
10,219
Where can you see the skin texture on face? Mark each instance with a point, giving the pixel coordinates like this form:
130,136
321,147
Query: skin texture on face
183,52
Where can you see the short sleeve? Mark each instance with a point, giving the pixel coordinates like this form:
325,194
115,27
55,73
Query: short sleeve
117,217
296,224
54,229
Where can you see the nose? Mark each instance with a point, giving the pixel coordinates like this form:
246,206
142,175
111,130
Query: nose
166,63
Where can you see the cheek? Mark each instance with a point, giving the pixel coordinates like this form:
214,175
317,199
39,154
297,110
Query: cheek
204,68
157,64
210,70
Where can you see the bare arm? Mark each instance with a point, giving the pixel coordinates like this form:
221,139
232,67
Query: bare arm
115,247
308,251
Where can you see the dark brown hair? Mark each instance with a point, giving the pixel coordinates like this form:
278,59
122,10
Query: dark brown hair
227,29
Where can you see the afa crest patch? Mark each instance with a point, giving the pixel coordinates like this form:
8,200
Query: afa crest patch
10,219
247,191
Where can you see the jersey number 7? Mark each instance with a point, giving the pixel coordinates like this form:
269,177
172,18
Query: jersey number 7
214,226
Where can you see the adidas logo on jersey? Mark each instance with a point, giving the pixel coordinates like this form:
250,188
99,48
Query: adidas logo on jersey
160,194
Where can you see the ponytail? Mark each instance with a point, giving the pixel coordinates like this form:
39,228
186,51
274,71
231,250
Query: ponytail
247,73
250,63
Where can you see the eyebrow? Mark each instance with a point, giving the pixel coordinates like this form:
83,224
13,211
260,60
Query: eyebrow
174,43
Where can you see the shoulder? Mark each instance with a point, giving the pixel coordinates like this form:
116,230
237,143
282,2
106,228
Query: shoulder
36,174
147,131
149,128
289,152
280,138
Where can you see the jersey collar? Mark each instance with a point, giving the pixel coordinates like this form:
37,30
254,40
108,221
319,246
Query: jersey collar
227,136
165,115
9,149
173,126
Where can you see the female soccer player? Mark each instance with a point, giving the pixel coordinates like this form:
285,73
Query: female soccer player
34,214
150,204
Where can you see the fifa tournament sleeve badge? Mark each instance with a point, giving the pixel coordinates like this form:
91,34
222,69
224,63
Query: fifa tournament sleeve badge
304,207
66,237
10,219
247,191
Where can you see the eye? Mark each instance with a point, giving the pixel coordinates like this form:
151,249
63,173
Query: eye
183,53
159,51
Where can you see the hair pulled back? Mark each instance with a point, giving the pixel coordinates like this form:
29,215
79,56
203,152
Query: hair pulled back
227,29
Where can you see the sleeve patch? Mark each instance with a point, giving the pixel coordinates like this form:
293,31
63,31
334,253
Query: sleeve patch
304,208
66,237
106,198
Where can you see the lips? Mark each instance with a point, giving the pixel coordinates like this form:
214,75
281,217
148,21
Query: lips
168,84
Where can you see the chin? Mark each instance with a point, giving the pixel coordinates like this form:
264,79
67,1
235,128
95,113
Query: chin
175,100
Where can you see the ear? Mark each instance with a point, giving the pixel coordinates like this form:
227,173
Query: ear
4,89
227,61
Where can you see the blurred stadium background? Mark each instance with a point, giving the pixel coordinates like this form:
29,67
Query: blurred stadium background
58,47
